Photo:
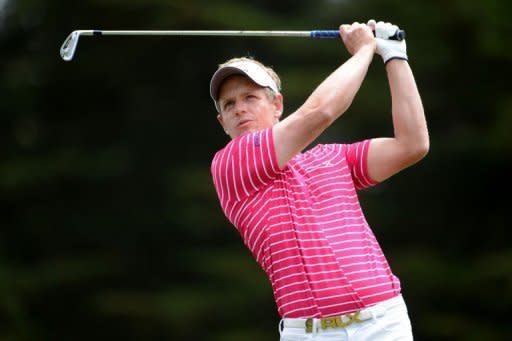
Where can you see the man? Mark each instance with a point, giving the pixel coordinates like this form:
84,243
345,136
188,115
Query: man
298,212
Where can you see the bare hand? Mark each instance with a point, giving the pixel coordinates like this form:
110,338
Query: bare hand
357,36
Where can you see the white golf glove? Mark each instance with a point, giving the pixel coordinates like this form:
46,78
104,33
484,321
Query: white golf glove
388,49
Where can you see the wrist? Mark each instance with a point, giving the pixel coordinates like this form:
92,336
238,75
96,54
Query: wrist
395,63
367,49
371,47
395,59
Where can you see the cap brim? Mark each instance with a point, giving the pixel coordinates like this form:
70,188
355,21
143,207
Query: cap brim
220,76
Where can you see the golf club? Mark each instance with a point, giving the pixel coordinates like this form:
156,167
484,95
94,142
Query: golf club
68,48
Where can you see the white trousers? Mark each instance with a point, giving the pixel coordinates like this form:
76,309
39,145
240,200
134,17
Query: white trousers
384,321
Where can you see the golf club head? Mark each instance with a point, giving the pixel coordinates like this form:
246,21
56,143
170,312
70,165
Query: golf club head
68,48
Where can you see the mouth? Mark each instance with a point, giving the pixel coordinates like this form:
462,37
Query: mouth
243,123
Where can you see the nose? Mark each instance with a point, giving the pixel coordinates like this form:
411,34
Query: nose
240,108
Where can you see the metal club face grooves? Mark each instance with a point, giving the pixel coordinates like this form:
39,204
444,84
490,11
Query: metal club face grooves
67,51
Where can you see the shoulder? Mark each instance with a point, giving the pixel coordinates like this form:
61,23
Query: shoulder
245,146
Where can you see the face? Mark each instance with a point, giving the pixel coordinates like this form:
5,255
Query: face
245,106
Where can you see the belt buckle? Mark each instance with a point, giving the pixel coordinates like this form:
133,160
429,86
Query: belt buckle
334,321
331,322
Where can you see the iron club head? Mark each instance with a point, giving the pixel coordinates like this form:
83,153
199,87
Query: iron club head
68,48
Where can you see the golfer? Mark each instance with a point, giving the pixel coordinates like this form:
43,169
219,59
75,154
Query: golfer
298,211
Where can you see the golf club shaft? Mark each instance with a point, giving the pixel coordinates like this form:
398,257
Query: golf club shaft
198,33
68,48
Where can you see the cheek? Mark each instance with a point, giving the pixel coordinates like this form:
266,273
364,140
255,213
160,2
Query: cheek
265,122
228,123
271,117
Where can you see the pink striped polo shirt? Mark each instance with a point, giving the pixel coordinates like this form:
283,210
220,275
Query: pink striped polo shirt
304,224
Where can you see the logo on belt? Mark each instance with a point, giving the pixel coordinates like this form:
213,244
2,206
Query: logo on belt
334,322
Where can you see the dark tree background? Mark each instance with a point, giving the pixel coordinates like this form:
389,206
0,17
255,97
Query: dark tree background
110,227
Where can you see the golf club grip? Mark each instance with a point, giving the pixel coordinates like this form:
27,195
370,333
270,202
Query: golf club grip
399,34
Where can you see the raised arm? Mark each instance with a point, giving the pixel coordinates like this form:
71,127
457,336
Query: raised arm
388,156
330,99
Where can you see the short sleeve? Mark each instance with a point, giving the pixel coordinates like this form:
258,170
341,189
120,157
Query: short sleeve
247,164
357,159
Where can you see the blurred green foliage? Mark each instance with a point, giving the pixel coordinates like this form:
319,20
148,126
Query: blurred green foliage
110,226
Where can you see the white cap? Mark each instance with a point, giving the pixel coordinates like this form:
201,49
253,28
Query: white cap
250,69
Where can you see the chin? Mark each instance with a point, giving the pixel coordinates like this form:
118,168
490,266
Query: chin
247,130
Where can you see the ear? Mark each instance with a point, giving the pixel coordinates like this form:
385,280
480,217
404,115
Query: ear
278,105
219,118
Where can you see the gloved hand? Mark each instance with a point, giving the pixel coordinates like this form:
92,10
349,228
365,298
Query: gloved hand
388,49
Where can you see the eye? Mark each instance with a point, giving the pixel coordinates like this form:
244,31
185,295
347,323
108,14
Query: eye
228,105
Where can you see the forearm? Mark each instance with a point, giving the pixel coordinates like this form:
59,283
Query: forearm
335,94
330,99
409,121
